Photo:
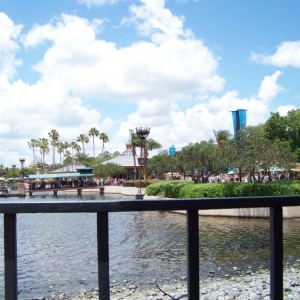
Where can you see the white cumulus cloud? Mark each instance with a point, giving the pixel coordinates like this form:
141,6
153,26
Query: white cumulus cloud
269,87
9,32
287,54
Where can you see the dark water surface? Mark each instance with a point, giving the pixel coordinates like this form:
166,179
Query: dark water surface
58,252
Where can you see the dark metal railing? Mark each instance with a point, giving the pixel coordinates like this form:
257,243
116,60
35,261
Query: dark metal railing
104,207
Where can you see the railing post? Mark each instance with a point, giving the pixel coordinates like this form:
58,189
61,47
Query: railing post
103,256
10,256
193,254
276,264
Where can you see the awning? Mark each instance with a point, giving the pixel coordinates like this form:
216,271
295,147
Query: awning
61,175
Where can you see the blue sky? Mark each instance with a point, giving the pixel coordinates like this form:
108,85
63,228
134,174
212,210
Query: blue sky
178,67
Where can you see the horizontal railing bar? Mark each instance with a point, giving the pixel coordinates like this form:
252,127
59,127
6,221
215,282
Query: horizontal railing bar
145,205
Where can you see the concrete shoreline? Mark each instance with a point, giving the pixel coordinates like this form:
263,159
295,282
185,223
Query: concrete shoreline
256,212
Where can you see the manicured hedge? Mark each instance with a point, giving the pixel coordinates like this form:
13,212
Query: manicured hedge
187,189
169,189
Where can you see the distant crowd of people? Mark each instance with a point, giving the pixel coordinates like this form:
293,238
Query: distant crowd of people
60,183
110,181
72,183
235,178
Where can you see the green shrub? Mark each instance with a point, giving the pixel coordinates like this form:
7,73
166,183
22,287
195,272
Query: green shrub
207,190
169,189
156,189
187,189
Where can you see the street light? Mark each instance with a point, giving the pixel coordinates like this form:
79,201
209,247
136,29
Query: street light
22,160
142,133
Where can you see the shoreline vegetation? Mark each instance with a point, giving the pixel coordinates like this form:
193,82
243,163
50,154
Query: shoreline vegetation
188,189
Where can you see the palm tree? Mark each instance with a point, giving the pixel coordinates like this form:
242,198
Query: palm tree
43,144
67,155
83,138
60,150
61,147
93,132
66,145
75,147
33,144
152,144
104,137
54,135
135,141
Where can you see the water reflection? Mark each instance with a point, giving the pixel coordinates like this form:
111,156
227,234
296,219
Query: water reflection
58,251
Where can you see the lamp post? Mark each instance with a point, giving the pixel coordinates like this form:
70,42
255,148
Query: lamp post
133,152
22,160
142,133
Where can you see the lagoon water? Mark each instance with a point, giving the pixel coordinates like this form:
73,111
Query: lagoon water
58,252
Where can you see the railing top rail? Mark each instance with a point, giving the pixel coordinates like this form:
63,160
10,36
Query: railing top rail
57,206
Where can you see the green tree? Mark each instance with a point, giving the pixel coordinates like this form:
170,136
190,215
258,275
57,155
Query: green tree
66,145
53,135
152,144
109,170
75,147
93,132
61,147
284,130
60,150
102,157
252,151
222,136
104,138
199,157
84,139
33,144
43,144
116,154
160,164
135,142
68,158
